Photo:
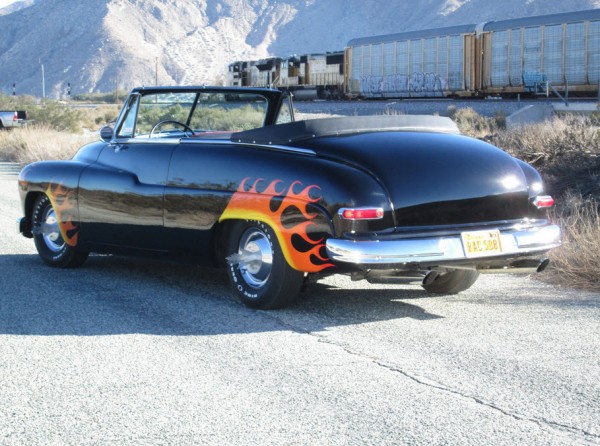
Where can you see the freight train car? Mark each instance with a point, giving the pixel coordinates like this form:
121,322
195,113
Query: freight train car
426,63
562,49
504,57
524,56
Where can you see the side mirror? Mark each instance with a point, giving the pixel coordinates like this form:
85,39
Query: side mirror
106,133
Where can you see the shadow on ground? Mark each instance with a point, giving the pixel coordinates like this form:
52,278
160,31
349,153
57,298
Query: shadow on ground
112,295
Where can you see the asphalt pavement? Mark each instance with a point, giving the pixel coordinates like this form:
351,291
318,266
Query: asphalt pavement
140,352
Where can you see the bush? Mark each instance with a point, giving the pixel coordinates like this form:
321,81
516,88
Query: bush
114,97
56,116
577,262
471,123
61,116
39,142
567,153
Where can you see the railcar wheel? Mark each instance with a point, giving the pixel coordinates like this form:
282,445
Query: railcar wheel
452,282
257,267
48,240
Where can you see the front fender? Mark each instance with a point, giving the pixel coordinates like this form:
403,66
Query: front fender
58,180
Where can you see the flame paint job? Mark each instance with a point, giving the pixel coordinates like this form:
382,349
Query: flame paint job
271,206
64,202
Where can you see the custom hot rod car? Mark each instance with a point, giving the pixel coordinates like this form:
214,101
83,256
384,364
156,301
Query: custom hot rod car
226,175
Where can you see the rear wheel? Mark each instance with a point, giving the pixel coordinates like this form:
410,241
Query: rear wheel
48,240
257,267
452,282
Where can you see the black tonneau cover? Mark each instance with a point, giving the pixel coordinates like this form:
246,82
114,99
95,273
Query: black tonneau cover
315,128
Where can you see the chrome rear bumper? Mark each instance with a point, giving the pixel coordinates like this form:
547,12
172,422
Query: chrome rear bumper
439,250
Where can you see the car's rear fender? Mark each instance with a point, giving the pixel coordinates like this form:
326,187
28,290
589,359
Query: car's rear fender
297,195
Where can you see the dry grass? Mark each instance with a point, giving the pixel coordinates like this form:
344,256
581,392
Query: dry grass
38,142
567,153
577,262
471,123
94,118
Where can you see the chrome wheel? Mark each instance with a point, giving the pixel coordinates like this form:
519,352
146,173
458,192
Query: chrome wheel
49,242
257,267
255,258
51,231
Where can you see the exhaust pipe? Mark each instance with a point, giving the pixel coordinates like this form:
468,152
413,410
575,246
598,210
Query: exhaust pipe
520,266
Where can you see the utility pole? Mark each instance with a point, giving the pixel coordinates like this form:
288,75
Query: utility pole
43,80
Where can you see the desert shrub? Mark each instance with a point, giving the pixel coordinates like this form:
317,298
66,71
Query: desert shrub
473,124
40,142
551,141
566,151
218,118
113,97
577,262
16,102
62,116
56,116
595,117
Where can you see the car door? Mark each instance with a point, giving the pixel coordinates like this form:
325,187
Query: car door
121,196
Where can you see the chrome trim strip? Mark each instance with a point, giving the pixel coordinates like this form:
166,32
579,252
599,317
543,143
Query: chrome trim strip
142,140
259,146
438,249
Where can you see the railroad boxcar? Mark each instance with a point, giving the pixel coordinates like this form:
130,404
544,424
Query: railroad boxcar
522,55
429,63
504,57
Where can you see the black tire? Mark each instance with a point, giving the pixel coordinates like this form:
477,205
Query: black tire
266,282
452,282
47,238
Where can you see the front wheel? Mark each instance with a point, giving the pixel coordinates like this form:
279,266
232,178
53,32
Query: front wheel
48,240
258,269
452,282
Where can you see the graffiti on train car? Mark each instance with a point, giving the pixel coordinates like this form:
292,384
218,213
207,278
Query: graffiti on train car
427,83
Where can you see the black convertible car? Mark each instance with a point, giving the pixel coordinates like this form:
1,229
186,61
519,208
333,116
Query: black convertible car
225,176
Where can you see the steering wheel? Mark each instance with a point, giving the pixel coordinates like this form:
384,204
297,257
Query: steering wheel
186,127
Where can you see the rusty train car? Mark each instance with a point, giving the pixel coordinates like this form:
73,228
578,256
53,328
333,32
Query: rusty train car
507,57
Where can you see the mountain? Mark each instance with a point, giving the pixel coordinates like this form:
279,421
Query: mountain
100,45
19,4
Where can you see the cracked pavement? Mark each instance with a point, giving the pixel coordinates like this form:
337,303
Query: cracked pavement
132,351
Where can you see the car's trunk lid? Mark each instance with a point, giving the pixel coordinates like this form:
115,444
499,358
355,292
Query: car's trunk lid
436,179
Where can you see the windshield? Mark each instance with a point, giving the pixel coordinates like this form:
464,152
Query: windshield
177,114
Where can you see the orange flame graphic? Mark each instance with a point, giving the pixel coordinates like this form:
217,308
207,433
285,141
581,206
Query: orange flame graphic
63,202
285,211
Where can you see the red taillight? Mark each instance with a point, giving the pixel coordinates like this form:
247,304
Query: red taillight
361,213
16,117
543,201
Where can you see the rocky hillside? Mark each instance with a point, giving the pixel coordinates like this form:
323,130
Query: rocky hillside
100,45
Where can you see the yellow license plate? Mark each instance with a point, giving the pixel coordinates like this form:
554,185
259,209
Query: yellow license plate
482,243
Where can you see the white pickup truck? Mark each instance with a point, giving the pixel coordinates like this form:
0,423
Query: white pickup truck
11,119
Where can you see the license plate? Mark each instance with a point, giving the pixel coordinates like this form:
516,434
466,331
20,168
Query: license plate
482,243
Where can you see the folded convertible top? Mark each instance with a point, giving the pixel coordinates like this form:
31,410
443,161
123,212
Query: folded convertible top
316,128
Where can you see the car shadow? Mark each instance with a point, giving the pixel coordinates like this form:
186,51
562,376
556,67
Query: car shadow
113,295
